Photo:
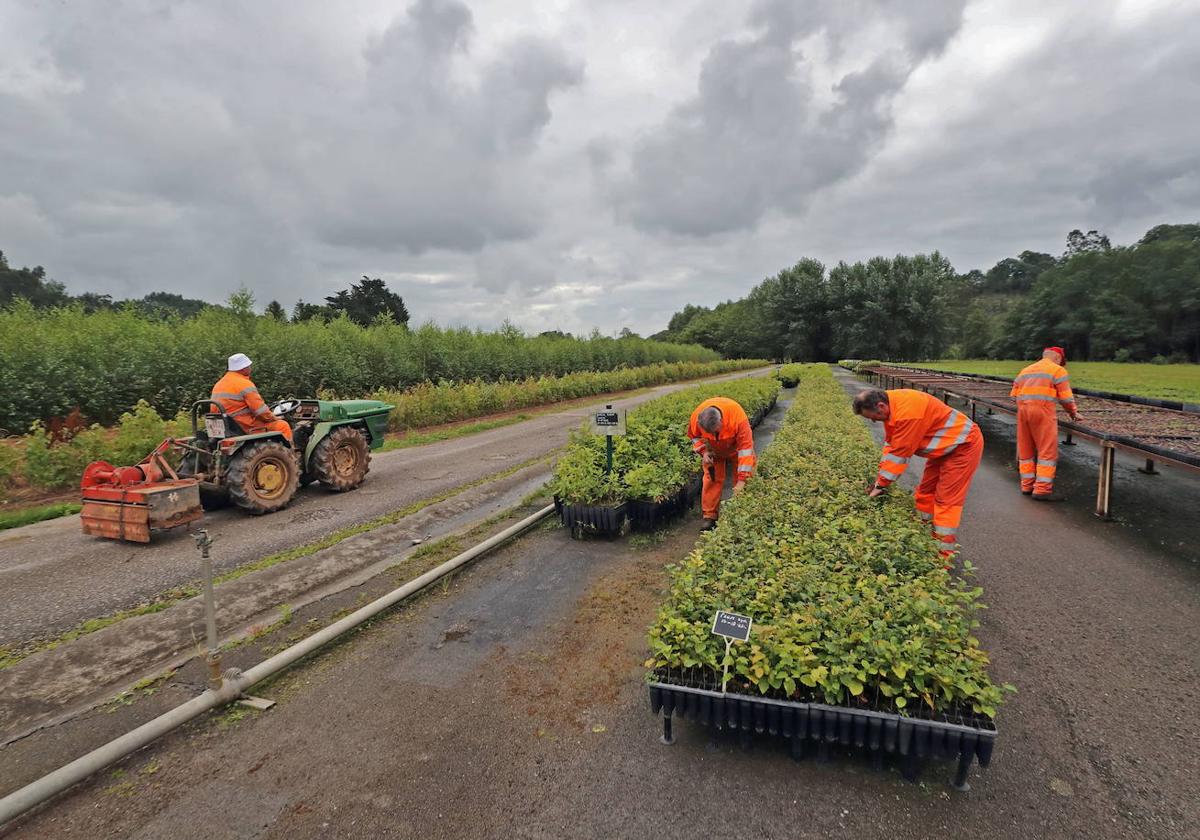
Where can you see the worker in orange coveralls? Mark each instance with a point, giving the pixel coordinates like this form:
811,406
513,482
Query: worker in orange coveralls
1039,389
721,436
916,423
237,397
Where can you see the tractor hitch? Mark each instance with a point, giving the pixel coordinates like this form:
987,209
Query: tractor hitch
127,503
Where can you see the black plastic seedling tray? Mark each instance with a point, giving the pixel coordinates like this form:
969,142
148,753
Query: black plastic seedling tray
608,520
818,726
639,514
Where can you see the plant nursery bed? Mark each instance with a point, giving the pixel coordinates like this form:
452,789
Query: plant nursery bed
616,519
635,514
817,726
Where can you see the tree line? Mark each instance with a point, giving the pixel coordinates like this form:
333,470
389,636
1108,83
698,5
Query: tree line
1133,303
363,303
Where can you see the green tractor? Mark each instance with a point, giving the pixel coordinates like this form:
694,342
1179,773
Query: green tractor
260,472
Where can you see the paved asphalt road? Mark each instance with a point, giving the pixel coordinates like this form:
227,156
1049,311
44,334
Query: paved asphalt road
512,705
52,577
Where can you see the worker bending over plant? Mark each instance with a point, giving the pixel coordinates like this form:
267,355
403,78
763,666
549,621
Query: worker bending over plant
1039,389
721,436
239,398
915,423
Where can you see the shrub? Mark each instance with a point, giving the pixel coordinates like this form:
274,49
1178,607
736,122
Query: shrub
55,360
44,462
654,458
50,464
850,602
1123,355
429,404
11,466
789,375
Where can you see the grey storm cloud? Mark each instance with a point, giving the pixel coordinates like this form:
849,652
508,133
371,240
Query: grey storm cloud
757,136
431,161
590,164
244,136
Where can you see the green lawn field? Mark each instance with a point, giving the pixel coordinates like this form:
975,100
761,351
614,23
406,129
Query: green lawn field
1169,382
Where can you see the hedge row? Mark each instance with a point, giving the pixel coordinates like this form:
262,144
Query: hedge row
789,375
44,462
57,360
431,403
654,458
850,602
858,364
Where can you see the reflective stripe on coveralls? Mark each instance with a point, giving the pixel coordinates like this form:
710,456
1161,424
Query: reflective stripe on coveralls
239,398
953,446
734,442
1036,389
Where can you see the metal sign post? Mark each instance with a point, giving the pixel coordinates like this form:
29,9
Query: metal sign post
608,423
204,542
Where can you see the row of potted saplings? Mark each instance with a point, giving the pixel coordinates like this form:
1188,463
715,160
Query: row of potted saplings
850,604
655,474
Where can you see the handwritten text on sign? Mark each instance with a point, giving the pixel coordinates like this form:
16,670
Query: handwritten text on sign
732,626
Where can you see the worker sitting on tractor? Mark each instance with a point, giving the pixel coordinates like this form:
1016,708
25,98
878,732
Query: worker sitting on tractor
239,398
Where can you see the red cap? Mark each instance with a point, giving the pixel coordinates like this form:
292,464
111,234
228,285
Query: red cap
1061,352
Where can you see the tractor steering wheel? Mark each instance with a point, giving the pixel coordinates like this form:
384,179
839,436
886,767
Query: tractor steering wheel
285,407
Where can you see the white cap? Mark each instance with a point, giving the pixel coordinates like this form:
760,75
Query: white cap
239,361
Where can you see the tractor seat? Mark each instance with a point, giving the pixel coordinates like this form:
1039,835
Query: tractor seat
232,429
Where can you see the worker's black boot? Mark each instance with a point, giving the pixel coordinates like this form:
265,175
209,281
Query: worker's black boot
1048,497
1026,492
709,524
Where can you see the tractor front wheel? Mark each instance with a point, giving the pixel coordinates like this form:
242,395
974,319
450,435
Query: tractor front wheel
263,477
341,461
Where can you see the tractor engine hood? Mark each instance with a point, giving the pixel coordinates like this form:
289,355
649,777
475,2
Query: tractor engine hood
334,410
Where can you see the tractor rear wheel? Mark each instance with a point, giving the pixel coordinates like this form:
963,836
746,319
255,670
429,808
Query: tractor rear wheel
341,461
263,477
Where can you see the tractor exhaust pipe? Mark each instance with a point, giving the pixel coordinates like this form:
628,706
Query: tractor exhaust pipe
38,791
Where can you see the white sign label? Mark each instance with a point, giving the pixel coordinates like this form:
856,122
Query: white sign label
610,421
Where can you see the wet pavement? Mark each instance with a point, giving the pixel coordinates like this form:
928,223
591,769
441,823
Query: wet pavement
512,703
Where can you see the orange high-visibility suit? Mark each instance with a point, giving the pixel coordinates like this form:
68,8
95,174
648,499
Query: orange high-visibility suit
238,397
1038,390
733,442
921,424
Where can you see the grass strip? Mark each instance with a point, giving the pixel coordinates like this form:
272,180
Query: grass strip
30,515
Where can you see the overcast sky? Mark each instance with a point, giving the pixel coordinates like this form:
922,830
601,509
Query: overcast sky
578,163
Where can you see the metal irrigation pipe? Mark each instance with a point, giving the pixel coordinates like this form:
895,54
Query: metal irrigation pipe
39,790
